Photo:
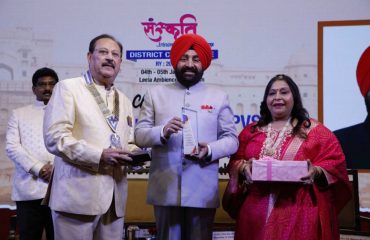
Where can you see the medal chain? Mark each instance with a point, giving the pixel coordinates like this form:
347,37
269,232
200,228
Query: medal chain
103,106
116,105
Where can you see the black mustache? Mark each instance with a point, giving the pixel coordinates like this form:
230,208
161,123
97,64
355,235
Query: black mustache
108,64
193,69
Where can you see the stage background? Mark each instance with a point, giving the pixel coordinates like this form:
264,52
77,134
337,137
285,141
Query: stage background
254,40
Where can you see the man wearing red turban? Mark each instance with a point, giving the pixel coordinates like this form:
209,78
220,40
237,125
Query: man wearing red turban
363,72
355,140
191,41
183,187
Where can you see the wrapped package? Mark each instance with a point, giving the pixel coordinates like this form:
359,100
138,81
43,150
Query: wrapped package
272,170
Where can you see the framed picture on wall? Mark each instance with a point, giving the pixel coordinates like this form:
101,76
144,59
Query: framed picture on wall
340,45
341,105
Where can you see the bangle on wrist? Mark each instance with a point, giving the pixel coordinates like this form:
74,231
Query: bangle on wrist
318,172
242,171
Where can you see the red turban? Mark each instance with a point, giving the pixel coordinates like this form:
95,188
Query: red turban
363,72
196,42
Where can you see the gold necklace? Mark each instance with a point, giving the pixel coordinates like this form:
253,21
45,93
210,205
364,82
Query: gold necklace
270,146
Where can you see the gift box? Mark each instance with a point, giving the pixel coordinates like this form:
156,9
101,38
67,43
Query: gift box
272,170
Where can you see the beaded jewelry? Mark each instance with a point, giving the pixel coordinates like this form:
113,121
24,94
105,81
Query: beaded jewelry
272,144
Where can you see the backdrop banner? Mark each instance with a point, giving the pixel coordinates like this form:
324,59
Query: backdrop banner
251,41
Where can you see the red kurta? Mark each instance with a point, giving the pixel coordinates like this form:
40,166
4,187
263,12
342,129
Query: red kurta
300,211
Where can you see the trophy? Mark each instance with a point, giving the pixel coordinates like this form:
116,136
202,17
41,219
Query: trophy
190,131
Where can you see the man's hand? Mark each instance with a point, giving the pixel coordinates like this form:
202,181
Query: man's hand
45,172
172,126
201,155
115,157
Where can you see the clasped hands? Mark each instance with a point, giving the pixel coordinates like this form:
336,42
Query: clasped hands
174,126
245,170
45,172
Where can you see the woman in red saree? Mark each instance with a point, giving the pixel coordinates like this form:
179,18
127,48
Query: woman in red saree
276,210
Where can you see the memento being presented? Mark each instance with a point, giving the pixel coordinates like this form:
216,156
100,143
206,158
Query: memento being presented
190,131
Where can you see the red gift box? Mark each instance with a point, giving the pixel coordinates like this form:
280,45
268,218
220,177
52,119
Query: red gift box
272,170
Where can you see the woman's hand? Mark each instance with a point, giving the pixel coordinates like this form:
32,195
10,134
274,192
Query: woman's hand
314,173
245,170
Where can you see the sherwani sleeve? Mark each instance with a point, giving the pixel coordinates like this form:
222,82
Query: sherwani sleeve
147,134
59,121
15,150
227,140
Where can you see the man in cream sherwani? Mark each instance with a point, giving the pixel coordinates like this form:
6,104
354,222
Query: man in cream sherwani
184,188
88,125
33,163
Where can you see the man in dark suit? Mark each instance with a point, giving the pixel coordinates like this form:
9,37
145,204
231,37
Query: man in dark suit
355,140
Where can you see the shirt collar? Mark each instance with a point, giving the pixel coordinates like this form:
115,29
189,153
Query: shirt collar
39,104
200,85
102,87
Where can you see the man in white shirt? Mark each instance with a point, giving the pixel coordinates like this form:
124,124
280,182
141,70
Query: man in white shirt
33,163
88,125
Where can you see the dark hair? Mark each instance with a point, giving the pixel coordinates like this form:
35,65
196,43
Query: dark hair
44,72
298,112
93,42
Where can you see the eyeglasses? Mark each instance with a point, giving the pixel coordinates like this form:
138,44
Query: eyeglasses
105,52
